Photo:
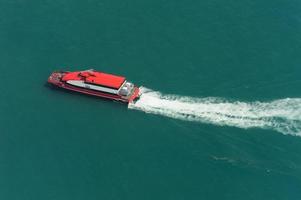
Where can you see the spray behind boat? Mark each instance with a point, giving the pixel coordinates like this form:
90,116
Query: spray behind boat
283,115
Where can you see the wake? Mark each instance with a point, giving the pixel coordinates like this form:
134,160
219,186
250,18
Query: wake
283,115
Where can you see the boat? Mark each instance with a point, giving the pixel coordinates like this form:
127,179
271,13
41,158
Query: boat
96,83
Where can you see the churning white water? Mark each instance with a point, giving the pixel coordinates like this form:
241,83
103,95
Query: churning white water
283,115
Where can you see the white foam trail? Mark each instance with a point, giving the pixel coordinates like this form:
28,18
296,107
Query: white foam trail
283,115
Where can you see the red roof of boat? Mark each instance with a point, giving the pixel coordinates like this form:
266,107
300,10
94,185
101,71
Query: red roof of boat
98,78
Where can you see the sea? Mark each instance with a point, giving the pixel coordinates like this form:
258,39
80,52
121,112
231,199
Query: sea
219,117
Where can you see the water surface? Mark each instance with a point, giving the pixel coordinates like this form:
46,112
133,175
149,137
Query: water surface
61,145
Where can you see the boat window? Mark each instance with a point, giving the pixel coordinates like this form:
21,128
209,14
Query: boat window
126,89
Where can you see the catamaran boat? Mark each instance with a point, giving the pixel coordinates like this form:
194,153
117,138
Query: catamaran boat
96,83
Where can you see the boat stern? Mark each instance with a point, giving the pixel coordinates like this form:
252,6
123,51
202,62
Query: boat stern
135,96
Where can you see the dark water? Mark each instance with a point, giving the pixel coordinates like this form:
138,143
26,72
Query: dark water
60,145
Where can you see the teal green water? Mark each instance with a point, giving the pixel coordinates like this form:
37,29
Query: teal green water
60,145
